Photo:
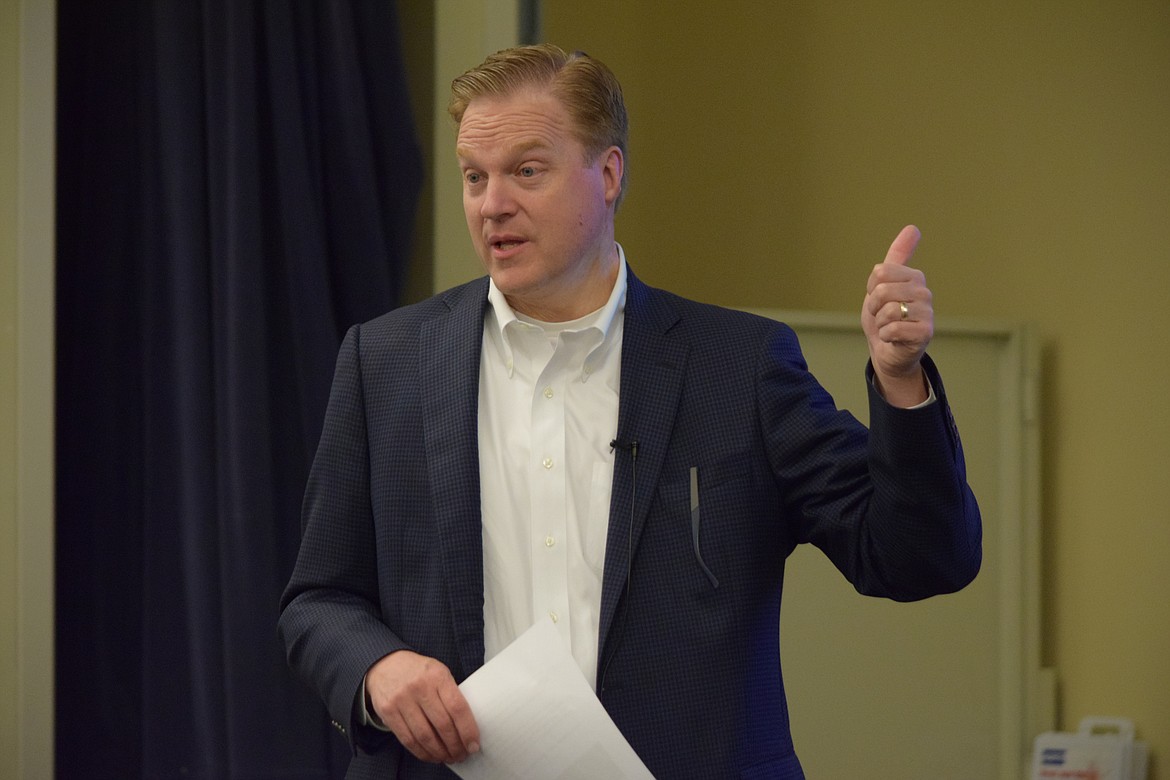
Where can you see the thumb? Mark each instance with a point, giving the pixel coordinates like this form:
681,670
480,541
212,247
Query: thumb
903,247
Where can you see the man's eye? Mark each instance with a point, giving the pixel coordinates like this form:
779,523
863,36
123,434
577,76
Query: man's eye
527,171
473,178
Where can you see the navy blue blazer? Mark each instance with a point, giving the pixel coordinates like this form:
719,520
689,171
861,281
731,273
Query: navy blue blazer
689,662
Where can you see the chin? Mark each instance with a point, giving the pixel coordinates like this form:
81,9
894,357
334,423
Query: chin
509,277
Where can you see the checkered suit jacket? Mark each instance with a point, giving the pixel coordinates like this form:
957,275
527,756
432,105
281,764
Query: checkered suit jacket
391,555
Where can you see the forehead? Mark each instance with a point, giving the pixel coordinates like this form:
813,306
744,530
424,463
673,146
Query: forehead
525,119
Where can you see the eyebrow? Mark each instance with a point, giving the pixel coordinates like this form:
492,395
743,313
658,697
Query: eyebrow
520,148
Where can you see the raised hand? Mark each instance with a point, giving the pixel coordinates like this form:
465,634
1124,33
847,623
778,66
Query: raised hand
898,320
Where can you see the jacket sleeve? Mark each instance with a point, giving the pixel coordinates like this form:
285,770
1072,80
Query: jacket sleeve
890,506
330,618
924,516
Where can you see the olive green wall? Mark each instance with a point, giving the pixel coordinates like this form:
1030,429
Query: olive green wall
777,148
9,76
27,51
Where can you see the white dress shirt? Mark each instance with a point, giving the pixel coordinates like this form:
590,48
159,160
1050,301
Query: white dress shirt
548,409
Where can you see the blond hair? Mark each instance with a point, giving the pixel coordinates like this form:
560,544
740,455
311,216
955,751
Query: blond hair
587,89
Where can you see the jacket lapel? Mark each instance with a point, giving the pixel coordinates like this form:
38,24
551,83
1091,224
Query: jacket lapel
653,362
449,358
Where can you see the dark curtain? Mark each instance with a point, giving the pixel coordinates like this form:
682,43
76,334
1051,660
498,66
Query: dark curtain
236,185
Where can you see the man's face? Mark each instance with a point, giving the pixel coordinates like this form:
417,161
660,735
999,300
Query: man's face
540,214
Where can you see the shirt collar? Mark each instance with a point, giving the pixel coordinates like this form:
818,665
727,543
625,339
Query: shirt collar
601,320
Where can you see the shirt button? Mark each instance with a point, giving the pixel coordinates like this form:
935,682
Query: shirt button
549,541
548,392
553,615
547,463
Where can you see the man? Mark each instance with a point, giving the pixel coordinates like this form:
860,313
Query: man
562,440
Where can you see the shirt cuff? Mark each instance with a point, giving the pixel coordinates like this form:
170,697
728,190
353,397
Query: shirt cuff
930,398
368,718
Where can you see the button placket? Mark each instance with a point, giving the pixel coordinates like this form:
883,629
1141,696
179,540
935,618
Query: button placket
549,495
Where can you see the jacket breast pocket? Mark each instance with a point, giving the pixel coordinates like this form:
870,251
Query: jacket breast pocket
709,511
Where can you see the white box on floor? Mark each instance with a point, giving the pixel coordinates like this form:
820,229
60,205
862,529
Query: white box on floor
1102,749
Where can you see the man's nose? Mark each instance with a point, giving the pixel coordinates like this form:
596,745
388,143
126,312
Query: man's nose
498,200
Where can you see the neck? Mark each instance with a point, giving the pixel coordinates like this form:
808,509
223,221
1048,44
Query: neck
585,293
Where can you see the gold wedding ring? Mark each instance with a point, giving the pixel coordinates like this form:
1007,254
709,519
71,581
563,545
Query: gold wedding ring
904,309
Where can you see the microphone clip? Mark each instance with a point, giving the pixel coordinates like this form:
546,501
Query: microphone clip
626,445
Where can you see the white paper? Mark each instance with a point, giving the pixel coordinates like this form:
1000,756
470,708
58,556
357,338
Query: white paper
539,719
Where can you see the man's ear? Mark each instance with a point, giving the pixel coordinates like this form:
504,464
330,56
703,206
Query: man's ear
613,166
